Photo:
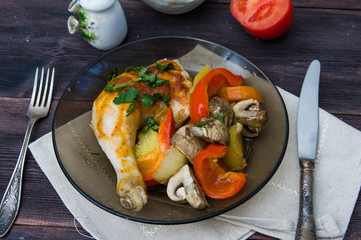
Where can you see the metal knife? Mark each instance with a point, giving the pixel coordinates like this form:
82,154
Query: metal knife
307,136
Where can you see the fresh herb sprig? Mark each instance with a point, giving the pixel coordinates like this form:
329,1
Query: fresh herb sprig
131,95
143,75
151,123
165,66
108,77
205,122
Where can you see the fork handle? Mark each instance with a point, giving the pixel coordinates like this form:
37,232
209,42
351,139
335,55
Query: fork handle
11,200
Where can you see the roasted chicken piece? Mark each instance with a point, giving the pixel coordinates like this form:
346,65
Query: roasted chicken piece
116,132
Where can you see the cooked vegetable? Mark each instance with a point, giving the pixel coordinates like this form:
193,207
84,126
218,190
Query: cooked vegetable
207,87
147,154
220,107
213,132
166,131
189,145
251,115
183,186
216,180
238,93
199,76
264,19
173,160
234,158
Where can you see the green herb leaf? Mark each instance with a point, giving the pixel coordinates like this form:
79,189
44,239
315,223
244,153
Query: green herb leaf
143,72
127,96
112,74
123,85
131,107
203,123
109,88
85,159
219,118
150,122
147,100
133,69
153,81
95,154
165,66
145,129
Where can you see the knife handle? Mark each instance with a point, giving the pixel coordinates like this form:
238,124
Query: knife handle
306,226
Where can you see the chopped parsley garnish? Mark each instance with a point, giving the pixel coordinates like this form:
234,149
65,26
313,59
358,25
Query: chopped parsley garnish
219,118
85,159
129,95
165,66
203,123
131,107
133,69
147,100
109,88
153,81
151,123
95,154
111,75
150,79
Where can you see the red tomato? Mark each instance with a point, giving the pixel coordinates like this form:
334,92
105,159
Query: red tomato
264,19
216,180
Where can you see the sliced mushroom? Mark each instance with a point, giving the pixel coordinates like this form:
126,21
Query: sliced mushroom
220,106
249,112
189,145
183,186
214,131
250,132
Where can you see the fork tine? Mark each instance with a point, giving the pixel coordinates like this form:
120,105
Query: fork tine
38,97
50,94
35,86
45,89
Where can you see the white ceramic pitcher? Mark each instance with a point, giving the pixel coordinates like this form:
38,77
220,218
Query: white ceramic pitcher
102,23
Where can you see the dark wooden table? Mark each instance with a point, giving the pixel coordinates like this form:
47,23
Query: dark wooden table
34,33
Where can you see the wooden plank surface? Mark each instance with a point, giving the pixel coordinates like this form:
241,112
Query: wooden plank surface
34,33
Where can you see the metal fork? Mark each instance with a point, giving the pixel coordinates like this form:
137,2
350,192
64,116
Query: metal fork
38,108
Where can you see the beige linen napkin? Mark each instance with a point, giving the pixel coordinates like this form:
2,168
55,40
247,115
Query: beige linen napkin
273,211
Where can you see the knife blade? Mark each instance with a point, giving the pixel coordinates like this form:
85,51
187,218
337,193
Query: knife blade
307,137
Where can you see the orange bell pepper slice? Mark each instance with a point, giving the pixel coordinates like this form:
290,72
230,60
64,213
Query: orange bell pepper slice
214,177
238,93
207,87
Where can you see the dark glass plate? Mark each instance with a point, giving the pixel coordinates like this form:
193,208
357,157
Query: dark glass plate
89,171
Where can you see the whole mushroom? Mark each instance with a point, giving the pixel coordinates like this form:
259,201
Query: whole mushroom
189,145
250,113
219,106
213,131
183,186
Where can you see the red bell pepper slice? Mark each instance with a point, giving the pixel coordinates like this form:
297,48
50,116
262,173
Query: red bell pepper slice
166,131
215,179
207,87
